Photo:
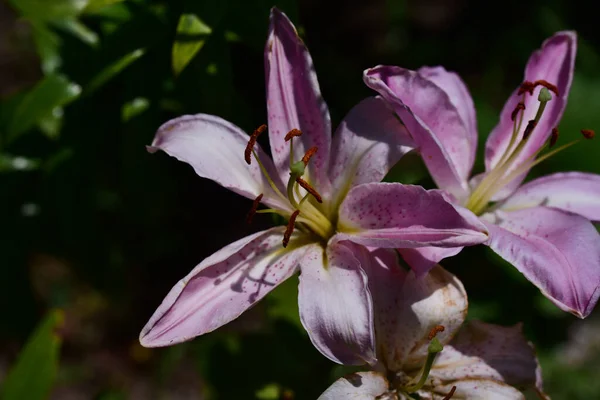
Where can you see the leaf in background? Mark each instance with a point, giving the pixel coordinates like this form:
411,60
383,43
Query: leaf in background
134,108
283,302
409,170
78,30
17,163
192,33
113,69
48,94
47,10
47,44
33,375
93,6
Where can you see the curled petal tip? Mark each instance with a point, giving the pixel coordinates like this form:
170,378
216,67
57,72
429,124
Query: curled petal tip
152,149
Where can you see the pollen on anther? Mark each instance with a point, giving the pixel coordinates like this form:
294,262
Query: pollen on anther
290,228
530,126
252,142
553,137
309,189
252,211
526,86
450,393
291,134
434,331
520,106
588,133
309,153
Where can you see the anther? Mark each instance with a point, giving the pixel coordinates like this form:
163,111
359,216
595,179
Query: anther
434,331
530,126
526,87
588,133
520,106
252,142
547,85
311,152
290,228
553,138
309,189
291,134
252,211
450,393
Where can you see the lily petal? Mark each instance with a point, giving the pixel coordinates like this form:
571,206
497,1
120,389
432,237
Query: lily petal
335,304
407,308
393,215
557,251
359,386
555,63
422,259
502,348
575,192
368,142
215,149
460,97
478,389
433,121
221,287
294,101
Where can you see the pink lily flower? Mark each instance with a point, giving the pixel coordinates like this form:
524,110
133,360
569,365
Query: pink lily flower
542,227
333,201
423,350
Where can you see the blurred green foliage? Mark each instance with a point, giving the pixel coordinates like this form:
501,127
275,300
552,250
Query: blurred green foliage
95,225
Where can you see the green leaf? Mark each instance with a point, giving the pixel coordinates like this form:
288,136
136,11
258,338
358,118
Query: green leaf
17,163
95,6
134,108
33,375
113,69
78,30
47,95
192,33
47,10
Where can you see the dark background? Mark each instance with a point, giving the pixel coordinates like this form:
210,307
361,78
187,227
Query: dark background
93,224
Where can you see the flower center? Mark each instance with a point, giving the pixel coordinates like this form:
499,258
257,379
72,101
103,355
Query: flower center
509,167
300,194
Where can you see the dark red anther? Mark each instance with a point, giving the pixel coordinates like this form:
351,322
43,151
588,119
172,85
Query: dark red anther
547,85
309,189
311,152
553,138
450,393
588,133
252,211
252,142
291,134
530,126
520,106
526,87
290,228
434,331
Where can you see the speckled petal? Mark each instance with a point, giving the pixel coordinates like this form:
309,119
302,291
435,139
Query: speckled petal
294,101
215,149
359,386
368,142
479,389
557,251
555,63
393,215
422,259
575,192
432,120
407,308
221,287
335,304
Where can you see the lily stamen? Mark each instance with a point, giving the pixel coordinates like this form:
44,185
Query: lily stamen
553,138
309,153
520,107
250,146
290,228
588,133
450,393
309,189
252,211
435,330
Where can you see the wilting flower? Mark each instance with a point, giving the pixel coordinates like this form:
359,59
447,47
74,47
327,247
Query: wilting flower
542,227
416,323
333,206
